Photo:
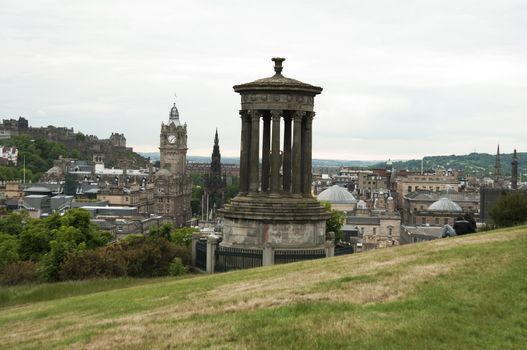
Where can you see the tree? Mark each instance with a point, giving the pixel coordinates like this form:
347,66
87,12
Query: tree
183,236
8,250
510,210
335,222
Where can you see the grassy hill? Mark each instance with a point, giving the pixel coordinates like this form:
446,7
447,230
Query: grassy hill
461,293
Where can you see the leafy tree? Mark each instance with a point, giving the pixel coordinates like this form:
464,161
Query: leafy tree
510,210
8,250
335,222
162,231
183,236
34,240
13,223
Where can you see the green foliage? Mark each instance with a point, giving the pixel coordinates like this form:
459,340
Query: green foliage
177,268
510,210
39,155
335,222
477,164
34,240
195,201
80,136
183,236
8,250
13,223
162,231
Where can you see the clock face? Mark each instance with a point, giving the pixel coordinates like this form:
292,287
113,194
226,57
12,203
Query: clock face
171,138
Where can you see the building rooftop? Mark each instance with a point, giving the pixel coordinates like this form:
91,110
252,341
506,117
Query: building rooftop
336,195
445,205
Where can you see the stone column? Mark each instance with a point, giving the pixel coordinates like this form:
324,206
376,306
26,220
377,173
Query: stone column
296,171
275,158
254,181
266,150
244,152
329,249
307,155
195,239
211,252
286,165
267,254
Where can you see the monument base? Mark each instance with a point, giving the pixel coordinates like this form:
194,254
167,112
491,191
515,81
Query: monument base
285,222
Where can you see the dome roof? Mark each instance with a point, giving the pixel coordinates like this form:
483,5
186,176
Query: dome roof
278,82
163,173
445,204
337,195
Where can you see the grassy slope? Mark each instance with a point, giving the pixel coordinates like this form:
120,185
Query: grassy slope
467,292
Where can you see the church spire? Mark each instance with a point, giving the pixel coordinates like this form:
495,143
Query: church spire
497,166
514,163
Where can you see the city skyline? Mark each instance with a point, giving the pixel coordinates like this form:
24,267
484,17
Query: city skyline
400,81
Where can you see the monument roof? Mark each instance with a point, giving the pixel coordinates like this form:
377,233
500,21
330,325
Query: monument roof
278,82
337,195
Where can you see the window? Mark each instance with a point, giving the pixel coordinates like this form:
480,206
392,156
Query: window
409,188
390,231
446,221
423,221
437,221
375,230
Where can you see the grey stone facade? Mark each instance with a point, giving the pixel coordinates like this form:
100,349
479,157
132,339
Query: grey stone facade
275,204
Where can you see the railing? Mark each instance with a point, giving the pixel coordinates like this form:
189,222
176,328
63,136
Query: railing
344,250
228,259
288,256
201,254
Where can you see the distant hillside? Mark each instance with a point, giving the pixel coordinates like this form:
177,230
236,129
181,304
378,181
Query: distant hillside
470,164
442,294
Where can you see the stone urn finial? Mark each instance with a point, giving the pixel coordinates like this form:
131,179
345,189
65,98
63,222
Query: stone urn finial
278,64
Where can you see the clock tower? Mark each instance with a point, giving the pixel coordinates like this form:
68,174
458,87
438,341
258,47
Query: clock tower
173,144
173,186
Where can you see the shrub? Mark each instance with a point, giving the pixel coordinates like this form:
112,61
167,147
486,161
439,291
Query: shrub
19,272
510,210
177,268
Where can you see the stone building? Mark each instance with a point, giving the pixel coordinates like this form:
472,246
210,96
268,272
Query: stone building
438,182
172,183
275,206
376,227
417,204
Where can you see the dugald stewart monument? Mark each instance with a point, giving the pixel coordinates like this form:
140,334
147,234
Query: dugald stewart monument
275,205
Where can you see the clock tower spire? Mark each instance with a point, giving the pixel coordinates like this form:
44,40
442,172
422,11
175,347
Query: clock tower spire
173,144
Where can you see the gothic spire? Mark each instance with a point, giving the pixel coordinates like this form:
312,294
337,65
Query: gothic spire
497,166
514,179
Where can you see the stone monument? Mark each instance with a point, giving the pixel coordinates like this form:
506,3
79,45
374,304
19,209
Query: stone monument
275,205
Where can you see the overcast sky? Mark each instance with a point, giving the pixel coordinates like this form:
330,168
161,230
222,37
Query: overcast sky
402,79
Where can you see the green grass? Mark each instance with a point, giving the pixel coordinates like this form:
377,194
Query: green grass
462,293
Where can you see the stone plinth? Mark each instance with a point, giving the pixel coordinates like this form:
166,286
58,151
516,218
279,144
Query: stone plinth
250,222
